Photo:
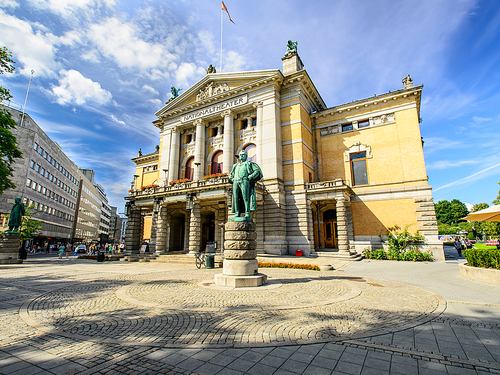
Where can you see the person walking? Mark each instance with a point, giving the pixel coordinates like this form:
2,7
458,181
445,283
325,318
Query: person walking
61,250
458,246
68,250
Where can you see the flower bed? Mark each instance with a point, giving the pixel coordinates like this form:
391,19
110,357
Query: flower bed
217,175
289,265
181,181
152,186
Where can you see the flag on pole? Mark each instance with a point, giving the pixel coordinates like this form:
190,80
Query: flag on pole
224,8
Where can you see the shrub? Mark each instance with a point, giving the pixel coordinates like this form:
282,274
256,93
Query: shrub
410,254
375,254
483,258
290,265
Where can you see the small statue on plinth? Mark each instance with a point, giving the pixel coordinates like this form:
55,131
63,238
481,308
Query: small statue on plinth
291,47
174,91
244,175
16,215
211,69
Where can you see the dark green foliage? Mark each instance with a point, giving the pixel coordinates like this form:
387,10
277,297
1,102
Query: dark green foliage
375,254
458,210
29,227
450,212
413,255
497,201
483,258
479,207
8,143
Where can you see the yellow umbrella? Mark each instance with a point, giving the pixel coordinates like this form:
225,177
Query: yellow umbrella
488,214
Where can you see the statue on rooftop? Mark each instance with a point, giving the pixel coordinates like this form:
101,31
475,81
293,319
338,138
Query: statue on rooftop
174,91
244,175
291,47
211,69
16,215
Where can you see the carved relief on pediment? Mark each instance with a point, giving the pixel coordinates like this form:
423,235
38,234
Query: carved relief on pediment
212,89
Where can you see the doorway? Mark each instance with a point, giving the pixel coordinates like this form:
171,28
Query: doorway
330,229
207,229
177,228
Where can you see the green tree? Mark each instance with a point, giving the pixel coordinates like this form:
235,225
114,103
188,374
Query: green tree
443,212
458,210
29,226
479,207
497,201
8,143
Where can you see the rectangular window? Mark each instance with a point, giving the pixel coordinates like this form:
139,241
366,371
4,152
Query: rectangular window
40,151
358,169
44,191
42,171
346,127
32,164
34,185
47,174
50,159
244,124
40,188
51,177
57,165
37,168
54,162
45,154
35,146
254,121
25,201
363,124
28,182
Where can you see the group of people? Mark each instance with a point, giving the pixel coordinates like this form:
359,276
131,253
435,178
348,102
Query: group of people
66,248
461,244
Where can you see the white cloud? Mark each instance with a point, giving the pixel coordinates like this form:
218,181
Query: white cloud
66,8
74,88
34,50
156,102
434,144
115,119
234,62
9,4
446,164
150,89
473,177
121,42
185,71
91,56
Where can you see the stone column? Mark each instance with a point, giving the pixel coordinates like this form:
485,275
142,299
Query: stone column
152,241
199,149
195,230
186,231
343,232
133,232
161,231
259,131
228,150
350,230
173,167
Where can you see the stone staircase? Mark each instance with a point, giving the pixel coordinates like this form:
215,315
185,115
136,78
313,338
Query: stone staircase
337,255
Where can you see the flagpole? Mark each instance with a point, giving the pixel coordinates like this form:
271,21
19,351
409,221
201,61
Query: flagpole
221,18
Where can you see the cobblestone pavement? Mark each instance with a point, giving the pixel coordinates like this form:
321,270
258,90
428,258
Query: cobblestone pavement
82,317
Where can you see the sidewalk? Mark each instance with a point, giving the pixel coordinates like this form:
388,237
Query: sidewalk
70,316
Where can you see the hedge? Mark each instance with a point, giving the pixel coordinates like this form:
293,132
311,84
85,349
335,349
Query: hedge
483,258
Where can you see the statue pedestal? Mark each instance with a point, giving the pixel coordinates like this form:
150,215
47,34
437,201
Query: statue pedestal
240,269
9,248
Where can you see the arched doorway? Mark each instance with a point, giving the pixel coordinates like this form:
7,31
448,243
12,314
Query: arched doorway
251,150
217,163
189,172
177,228
330,229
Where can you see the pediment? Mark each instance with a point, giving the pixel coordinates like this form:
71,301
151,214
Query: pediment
217,86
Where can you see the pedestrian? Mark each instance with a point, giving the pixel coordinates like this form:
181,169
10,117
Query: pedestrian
62,249
68,250
47,248
458,246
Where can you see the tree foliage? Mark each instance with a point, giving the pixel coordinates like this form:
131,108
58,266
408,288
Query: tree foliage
497,201
29,226
450,212
479,207
8,143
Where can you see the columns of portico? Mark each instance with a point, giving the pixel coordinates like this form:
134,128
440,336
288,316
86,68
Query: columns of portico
259,106
199,149
161,230
133,232
228,150
342,226
194,229
173,166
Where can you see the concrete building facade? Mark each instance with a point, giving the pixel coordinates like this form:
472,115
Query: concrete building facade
335,178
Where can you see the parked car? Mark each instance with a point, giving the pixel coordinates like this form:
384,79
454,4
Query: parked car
81,249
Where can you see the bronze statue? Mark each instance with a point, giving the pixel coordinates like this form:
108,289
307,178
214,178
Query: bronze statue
211,69
16,215
174,91
243,176
291,47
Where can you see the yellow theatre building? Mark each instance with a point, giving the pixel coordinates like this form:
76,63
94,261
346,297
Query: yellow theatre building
335,178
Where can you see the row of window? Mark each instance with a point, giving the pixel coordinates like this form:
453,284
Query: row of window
92,195
150,168
43,190
47,227
48,210
89,223
361,124
214,132
37,168
53,161
90,203
87,212
80,233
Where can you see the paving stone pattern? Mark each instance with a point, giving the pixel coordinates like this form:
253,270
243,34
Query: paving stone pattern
80,317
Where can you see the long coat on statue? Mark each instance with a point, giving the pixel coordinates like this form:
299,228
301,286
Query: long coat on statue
254,174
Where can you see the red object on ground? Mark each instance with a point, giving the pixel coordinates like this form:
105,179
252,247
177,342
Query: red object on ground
298,253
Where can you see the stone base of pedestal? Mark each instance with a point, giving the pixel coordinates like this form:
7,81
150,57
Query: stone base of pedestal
240,281
9,248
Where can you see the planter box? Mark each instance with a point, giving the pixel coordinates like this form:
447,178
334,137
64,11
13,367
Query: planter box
486,275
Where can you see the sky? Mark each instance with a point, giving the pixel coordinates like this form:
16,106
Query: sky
102,68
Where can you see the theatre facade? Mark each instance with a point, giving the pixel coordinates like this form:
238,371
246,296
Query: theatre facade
335,178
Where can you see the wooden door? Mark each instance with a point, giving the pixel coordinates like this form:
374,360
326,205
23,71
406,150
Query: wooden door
330,234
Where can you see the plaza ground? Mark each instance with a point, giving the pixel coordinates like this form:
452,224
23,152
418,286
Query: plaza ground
73,316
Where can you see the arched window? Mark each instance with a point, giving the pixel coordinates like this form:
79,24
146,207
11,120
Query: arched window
251,150
217,162
189,172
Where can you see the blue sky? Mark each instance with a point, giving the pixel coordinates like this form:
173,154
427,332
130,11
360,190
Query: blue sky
103,67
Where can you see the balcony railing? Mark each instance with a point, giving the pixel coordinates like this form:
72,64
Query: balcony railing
189,185
325,184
